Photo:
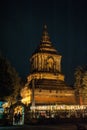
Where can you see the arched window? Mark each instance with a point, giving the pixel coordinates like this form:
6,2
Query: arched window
50,64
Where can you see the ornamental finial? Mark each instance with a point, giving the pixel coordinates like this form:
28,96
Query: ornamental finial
45,26
45,35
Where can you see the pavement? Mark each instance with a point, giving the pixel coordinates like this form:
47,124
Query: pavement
44,127
48,127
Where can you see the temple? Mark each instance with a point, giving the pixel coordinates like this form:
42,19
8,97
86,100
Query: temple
46,79
46,94
46,90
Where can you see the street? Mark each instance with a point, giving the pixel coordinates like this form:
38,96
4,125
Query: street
45,127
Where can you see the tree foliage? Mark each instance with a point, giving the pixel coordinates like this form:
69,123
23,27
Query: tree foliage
81,82
84,83
9,79
78,76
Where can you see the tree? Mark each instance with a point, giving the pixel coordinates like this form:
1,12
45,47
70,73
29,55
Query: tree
84,85
84,78
81,84
78,76
9,80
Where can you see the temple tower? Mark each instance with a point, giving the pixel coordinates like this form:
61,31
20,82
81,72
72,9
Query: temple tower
46,80
45,61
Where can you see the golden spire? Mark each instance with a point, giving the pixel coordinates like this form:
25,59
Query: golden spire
45,45
45,36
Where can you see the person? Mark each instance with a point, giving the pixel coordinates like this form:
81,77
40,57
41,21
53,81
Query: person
19,117
15,118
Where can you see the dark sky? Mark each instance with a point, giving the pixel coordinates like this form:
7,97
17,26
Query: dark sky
21,29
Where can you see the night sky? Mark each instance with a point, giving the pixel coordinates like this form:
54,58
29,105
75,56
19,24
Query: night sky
21,28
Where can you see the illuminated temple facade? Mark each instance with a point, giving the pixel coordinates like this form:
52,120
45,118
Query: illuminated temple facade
46,80
46,94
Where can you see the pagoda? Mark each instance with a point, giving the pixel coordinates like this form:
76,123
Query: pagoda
46,81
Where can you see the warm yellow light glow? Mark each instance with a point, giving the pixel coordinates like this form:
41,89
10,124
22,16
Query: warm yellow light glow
26,95
60,107
26,100
18,109
5,105
46,76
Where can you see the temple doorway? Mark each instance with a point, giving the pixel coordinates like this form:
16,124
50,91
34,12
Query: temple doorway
18,115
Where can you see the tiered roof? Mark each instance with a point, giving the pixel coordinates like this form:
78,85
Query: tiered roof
45,45
51,84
